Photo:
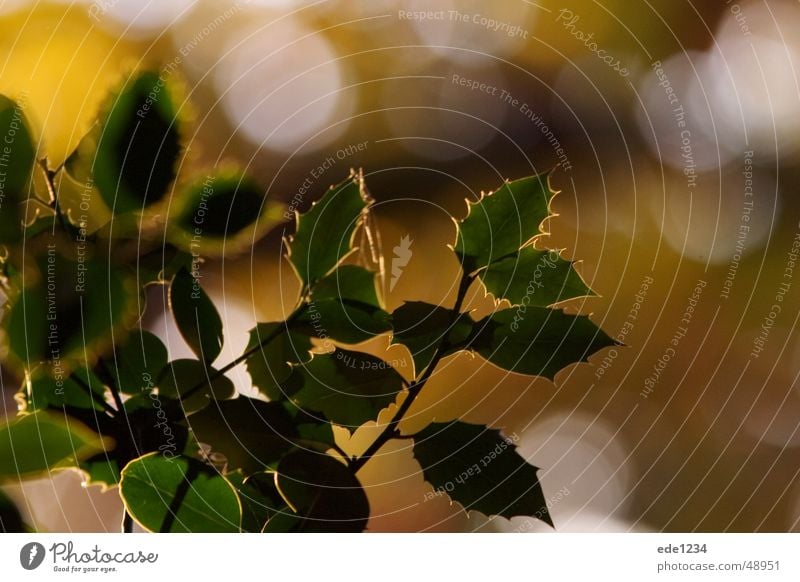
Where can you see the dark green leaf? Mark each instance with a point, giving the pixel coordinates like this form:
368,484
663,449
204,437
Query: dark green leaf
270,365
538,341
346,321
150,424
421,327
102,470
196,317
180,493
138,146
34,443
534,277
323,492
348,283
68,311
503,221
324,234
250,433
182,376
314,430
138,362
480,469
349,388
220,206
17,156
10,519
259,497
81,390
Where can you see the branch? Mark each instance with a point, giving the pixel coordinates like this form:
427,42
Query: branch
260,345
391,430
112,386
49,176
88,389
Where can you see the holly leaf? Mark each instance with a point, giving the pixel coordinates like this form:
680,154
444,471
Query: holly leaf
324,235
83,389
195,315
138,145
34,443
501,222
324,494
349,388
347,321
534,277
250,433
67,313
18,157
270,365
179,495
348,283
480,469
537,341
218,208
421,327
180,377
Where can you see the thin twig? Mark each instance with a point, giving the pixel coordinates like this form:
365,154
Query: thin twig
260,345
391,429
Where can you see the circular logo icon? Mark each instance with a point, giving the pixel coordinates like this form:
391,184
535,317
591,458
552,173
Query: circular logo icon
31,555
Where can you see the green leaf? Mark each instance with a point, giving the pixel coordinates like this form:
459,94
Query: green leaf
17,157
181,376
150,424
348,283
67,312
324,234
421,327
34,443
538,341
10,519
502,222
346,321
259,497
179,495
196,317
324,493
349,388
250,433
138,146
314,430
480,469
81,390
534,277
138,362
270,365
220,206
103,471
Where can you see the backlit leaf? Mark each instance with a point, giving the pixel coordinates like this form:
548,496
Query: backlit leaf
480,469
179,495
503,221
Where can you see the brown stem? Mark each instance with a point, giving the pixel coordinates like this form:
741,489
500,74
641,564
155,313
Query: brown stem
229,366
391,429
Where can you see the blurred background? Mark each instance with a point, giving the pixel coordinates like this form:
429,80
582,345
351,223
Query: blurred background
674,128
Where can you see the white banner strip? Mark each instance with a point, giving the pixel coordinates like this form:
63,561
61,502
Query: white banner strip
400,557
